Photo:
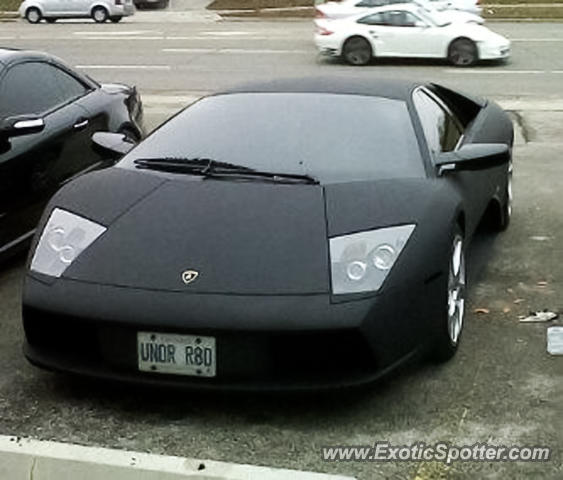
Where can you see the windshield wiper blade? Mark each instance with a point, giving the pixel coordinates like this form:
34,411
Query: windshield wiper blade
212,168
272,176
187,165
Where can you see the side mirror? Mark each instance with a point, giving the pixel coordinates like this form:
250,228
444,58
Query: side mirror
476,156
21,125
111,145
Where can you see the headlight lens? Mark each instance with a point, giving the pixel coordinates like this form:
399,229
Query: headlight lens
63,239
360,262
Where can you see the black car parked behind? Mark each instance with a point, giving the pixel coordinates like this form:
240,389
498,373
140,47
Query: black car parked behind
48,113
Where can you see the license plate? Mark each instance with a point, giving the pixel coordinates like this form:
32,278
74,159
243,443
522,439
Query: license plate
176,354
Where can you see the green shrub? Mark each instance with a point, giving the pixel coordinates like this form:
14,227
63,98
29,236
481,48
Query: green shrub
9,5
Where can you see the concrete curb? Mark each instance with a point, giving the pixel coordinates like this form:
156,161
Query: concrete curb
24,459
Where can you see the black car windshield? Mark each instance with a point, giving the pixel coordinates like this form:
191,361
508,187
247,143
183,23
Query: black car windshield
330,137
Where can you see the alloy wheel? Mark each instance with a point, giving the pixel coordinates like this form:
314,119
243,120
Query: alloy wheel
456,290
357,51
462,53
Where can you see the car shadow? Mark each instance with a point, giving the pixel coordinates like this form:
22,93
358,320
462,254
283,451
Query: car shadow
413,62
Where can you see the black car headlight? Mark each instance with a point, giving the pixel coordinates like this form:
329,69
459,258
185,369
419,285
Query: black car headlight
360,262
65,236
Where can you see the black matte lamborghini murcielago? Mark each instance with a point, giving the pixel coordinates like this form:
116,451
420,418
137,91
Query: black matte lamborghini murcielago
294,234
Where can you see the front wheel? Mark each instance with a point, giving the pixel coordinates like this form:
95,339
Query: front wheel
462,52
33,15
506,208
357,51
100,14
451,323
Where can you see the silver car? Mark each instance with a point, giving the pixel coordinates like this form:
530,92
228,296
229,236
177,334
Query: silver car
99,10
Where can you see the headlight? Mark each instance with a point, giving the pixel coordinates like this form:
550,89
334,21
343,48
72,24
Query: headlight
65,236
361,261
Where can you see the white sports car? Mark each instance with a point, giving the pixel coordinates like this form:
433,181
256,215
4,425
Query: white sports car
408,30
457,10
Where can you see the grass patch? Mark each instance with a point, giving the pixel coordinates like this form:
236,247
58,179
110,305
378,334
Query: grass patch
9,5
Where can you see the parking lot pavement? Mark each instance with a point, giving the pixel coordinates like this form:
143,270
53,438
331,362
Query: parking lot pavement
501,388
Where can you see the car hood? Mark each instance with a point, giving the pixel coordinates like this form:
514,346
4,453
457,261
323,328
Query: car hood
243,238
240,237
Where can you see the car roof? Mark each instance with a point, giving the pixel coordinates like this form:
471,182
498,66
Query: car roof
10,55
408,7
372,87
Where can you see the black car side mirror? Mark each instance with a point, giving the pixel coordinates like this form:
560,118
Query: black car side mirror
473,157
21,125
111,145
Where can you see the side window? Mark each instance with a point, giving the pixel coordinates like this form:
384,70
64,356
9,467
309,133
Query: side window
371,3
34,88
440,129
400,18
28,88
69,87
375,19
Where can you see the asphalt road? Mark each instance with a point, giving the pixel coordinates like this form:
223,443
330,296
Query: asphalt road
502,387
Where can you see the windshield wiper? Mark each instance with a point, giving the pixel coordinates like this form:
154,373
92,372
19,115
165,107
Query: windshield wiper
213,169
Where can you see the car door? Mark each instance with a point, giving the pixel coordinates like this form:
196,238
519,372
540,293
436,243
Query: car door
406,34
374,26
443,133
58,7
81,7
95,110
32,167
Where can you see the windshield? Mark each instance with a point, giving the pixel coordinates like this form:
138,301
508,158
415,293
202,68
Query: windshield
331,138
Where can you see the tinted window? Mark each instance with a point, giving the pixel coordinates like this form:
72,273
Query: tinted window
375,19
28,88
400,19
69,86
331,137
440,129
372,3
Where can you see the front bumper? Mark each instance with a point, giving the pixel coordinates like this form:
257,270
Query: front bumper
263,342
494,52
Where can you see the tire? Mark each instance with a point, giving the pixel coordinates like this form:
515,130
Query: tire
357,51
450,327
100,15
462,52
50,20
506,207
33,15
115,19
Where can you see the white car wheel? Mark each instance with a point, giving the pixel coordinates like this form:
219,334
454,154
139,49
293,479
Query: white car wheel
33,15
100,14
462,52
357,51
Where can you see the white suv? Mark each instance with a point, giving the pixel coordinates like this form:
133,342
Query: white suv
99,10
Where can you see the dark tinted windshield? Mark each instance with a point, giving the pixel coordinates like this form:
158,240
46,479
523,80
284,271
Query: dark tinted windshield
333,138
